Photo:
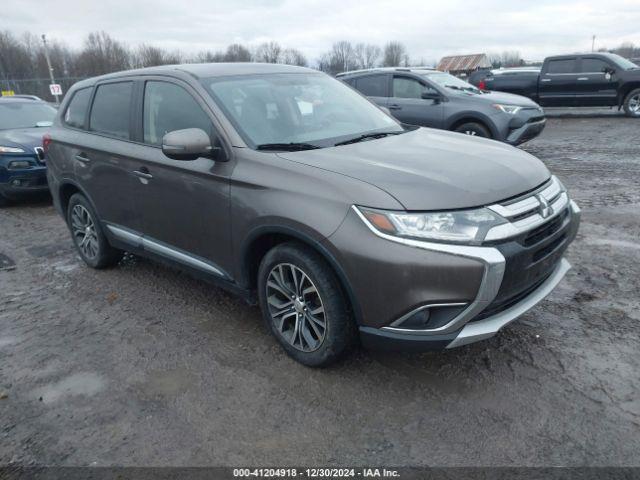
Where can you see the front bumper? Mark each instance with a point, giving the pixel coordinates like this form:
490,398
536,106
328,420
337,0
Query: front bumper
472,332
15,183
515,279
526,132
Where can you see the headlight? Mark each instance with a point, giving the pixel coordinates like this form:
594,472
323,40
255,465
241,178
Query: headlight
10,150
463,226
512,109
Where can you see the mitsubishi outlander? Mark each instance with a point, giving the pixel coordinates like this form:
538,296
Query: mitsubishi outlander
291,189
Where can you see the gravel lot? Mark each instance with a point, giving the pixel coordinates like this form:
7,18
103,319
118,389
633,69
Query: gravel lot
142,365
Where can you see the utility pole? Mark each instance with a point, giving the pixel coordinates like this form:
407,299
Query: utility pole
593,43
46,55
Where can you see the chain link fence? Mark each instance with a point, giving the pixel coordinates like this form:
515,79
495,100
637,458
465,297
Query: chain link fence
36,86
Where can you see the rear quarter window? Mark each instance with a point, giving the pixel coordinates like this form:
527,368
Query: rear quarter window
110,111
76,113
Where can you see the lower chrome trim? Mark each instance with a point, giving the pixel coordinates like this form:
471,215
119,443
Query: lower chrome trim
395,325
490,257
482,329
164,250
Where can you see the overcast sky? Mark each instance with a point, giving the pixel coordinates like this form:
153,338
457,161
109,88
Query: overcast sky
429,29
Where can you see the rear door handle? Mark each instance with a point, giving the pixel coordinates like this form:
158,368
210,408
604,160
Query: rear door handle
545,80
144,175
81,158
394,106
583,78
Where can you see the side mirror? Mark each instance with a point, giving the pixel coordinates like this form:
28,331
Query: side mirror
430,95
187,144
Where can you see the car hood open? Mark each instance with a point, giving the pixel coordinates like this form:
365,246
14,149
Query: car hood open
428,169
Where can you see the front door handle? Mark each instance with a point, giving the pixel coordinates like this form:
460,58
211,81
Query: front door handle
394,106
583,78
82,158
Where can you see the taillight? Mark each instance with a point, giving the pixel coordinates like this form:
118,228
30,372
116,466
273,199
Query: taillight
46,141
482,85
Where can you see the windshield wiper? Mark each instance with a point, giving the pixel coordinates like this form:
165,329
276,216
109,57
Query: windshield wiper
287,147
367,135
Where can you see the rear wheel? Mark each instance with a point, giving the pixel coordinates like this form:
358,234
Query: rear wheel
87,234
4,201
474,129
632,103
303,305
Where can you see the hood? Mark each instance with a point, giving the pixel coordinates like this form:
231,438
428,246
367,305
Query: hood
428,169
502,97
25,138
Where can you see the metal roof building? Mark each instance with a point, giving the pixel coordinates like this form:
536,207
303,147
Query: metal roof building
463,64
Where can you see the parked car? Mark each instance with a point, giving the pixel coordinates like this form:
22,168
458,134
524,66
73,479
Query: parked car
289,188
23,121
589,80
428,98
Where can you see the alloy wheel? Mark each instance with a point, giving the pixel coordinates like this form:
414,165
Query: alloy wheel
471,132
295,307
634,104
84,231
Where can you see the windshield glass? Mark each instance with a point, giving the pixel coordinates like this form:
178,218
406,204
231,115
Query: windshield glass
297,108
25,114
623,62
449,81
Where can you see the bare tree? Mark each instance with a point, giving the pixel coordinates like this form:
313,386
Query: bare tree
506,59
237,53
291,56
367,55
341,58
102,54
394,54
268,52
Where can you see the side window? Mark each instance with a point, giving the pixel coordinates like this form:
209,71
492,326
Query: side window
110,110
77,110
593,65
561,66
169,107
372,85
405,87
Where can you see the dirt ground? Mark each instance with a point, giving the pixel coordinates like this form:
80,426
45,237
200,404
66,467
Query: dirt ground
142,365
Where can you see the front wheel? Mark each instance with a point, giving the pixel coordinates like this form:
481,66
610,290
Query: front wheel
303,305
474,129
632,103
87,234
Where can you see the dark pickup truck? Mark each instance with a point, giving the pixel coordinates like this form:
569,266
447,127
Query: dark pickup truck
587,80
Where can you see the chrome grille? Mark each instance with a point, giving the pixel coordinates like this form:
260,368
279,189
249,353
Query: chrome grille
530,212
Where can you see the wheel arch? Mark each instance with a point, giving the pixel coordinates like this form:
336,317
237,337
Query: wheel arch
626,89
470,117
66,190
264,238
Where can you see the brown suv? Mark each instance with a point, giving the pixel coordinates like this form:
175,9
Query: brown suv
291,189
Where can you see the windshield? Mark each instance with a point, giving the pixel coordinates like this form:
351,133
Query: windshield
623,62
449,81
297,108
25,115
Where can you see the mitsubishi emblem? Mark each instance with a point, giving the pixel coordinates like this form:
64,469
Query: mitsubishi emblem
545,210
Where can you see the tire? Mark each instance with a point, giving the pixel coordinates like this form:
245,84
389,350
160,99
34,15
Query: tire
87,234
4,201
474,129
632,103
314,343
